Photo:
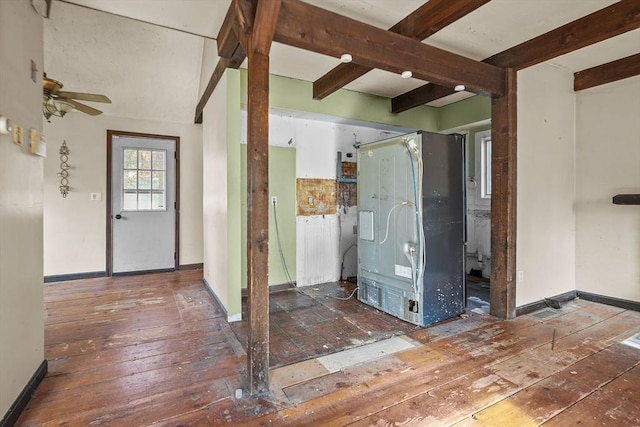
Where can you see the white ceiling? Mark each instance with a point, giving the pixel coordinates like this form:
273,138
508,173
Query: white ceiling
146,55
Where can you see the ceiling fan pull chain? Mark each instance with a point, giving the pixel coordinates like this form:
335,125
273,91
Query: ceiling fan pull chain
64,169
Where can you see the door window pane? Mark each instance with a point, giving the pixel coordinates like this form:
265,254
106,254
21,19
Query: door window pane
157,200
130,201
144,200
144,159
158,180
130,180
130,159
144,180
158,160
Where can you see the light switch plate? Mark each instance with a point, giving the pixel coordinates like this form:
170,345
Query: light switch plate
96,196
18,134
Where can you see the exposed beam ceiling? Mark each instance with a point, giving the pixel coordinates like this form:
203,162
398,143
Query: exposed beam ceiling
423,22
593,28
607,73
318,30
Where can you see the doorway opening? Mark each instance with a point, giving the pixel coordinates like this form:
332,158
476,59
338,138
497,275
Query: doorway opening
478,253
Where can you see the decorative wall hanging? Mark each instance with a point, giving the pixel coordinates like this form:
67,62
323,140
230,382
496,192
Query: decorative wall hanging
64,169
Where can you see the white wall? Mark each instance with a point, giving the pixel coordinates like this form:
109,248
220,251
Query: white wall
608,163
74,227
214,158
21,206
546,190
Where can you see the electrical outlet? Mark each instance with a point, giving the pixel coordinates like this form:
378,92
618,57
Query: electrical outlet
520,276
274,200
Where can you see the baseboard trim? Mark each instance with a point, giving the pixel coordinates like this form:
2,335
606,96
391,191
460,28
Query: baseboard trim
539,305
199,266
616,302
568,296
273,288
14,412
74,276
215,297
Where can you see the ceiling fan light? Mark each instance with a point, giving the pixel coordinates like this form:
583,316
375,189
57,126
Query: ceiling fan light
63,107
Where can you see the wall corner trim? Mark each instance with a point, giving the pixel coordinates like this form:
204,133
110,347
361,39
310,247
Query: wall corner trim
215,298
14,412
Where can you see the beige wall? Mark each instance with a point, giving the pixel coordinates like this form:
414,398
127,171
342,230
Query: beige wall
608,163
21,295
546,190
74,227
214,158
223,232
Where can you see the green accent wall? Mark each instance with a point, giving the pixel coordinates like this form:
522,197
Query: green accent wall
472,115
463,113
297,95
282,184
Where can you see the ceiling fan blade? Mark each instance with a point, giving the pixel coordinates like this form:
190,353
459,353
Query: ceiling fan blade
84,108
93,97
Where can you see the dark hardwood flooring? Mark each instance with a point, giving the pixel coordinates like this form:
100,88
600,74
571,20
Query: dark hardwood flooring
156,350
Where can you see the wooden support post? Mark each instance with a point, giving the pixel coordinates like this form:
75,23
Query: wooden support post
503,199
258,222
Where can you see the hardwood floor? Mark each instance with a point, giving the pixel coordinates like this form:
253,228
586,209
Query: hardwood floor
156,350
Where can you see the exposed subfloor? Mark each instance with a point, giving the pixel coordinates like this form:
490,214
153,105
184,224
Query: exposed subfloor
313,321
156,350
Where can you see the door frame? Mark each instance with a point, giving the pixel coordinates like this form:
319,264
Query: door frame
109,213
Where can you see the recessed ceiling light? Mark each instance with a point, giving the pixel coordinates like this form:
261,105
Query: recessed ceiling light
459,88
406,74
346,58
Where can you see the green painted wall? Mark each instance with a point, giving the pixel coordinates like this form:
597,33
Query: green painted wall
472,115
282,184
297,95
463,113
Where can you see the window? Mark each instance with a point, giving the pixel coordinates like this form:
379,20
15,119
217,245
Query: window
144,180
482,168
485,178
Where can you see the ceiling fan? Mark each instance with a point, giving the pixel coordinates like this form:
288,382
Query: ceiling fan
56,102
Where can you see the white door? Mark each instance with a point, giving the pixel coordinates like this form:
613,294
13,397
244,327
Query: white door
143,186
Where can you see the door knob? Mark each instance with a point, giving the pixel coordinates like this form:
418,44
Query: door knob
118,216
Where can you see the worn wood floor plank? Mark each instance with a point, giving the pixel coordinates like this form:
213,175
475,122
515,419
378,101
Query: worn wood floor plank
156,350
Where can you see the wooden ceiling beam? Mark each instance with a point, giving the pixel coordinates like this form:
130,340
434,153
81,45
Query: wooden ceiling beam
231,55
418,96
265,25
607,73
318,30
227,40
605,23
428,19
218,72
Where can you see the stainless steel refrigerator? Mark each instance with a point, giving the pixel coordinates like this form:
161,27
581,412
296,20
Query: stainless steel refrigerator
411,226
